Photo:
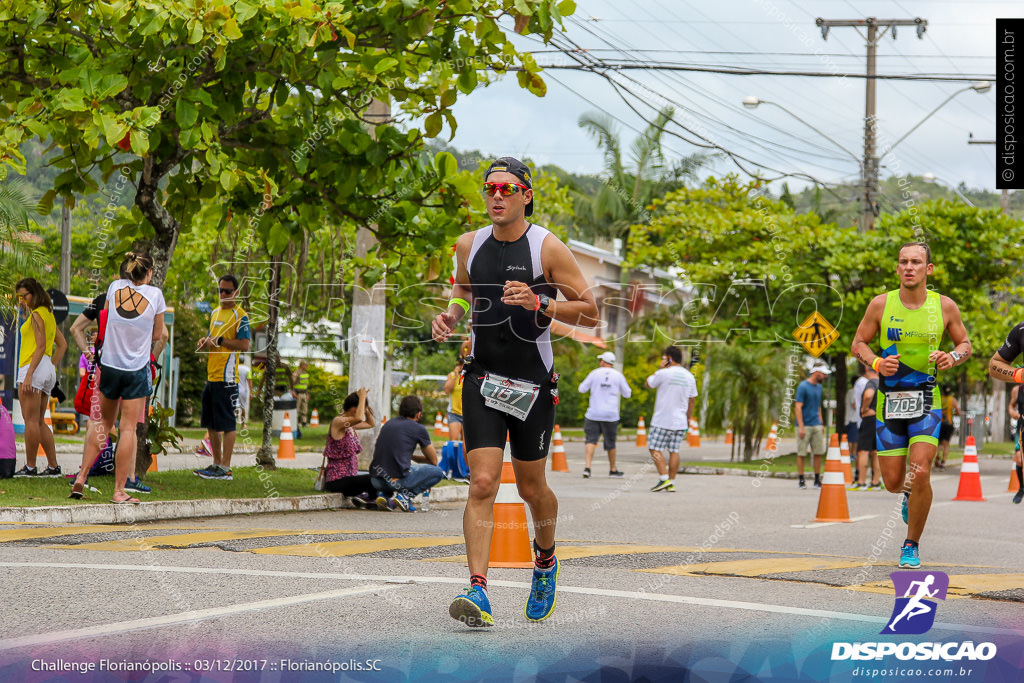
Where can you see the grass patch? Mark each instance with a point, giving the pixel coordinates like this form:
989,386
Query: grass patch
781,463
169,485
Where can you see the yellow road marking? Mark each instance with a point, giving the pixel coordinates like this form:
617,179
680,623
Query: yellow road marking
960,585
7,535
342,548
176,540
572,552
756,567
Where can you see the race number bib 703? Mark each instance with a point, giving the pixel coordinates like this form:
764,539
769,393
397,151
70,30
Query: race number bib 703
512,396
904,405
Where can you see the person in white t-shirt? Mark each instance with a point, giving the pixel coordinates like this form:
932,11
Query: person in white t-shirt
135,325
673,409
244,390
606,386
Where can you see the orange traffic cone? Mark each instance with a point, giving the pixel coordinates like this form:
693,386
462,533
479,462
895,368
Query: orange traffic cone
438,425
844,457
970,474
558,462
693,436
445,432
1014,486
728,436
152,466
641,433
510,542
773,438
314,419
832,505
286,445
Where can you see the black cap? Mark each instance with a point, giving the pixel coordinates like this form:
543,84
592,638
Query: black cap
516,168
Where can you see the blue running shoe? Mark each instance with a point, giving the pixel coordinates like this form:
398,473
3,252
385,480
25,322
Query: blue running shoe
908,557
137,486
383,503
472,608
541,602
906,508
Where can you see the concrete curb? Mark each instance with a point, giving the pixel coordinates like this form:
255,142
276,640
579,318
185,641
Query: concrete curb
737,472
109,513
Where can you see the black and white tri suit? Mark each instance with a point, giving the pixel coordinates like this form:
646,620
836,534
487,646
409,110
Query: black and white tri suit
509,341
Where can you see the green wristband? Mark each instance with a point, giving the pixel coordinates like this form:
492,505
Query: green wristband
460,302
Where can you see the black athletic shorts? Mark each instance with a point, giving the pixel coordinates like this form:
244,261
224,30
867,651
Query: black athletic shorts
945,432
486,427
866,434
219,402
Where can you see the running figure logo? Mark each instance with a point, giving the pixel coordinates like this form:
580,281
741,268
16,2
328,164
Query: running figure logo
913,613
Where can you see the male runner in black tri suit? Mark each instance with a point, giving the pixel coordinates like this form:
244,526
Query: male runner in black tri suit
509,275
1000,368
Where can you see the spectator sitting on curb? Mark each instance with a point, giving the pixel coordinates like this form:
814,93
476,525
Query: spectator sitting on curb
393,475
342,452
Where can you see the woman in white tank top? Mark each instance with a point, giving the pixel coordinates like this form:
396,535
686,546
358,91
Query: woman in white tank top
134,323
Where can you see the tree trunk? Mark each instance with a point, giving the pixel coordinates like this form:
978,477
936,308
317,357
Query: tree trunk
265,455
161,249
751,424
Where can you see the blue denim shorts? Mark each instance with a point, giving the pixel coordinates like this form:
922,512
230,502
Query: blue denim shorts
125,384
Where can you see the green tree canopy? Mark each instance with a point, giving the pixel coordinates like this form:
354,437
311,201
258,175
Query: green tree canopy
265,105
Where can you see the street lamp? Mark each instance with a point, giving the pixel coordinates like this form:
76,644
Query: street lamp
980,87
931,178
752,102
870,164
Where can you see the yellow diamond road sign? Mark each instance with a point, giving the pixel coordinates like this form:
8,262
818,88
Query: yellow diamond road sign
816,334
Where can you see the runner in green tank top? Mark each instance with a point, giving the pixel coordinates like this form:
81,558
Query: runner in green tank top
910,323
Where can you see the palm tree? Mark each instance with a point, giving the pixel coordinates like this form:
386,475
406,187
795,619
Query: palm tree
745,387
625,193
18,256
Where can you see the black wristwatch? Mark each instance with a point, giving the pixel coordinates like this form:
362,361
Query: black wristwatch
545,301
220,341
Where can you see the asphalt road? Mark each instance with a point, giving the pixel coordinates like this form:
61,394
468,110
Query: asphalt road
725,578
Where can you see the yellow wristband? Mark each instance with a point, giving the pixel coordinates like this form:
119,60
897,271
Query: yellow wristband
875,363
459,302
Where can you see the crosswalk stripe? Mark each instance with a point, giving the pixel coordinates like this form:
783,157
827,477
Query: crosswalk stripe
342,548
760,566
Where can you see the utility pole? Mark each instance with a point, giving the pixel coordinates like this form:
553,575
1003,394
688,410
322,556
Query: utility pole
64,282
870,164
1005,199
367,343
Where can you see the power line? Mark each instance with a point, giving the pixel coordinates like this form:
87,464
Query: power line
742,71
761,142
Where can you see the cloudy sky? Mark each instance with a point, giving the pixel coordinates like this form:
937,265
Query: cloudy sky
773,35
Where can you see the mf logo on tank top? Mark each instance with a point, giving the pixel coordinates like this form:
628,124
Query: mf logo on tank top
895,334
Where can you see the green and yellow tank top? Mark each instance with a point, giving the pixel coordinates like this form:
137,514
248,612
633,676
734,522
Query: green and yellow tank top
913,334
28,338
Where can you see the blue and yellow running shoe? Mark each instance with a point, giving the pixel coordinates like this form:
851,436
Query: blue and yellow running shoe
472,608
908,556
541,602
